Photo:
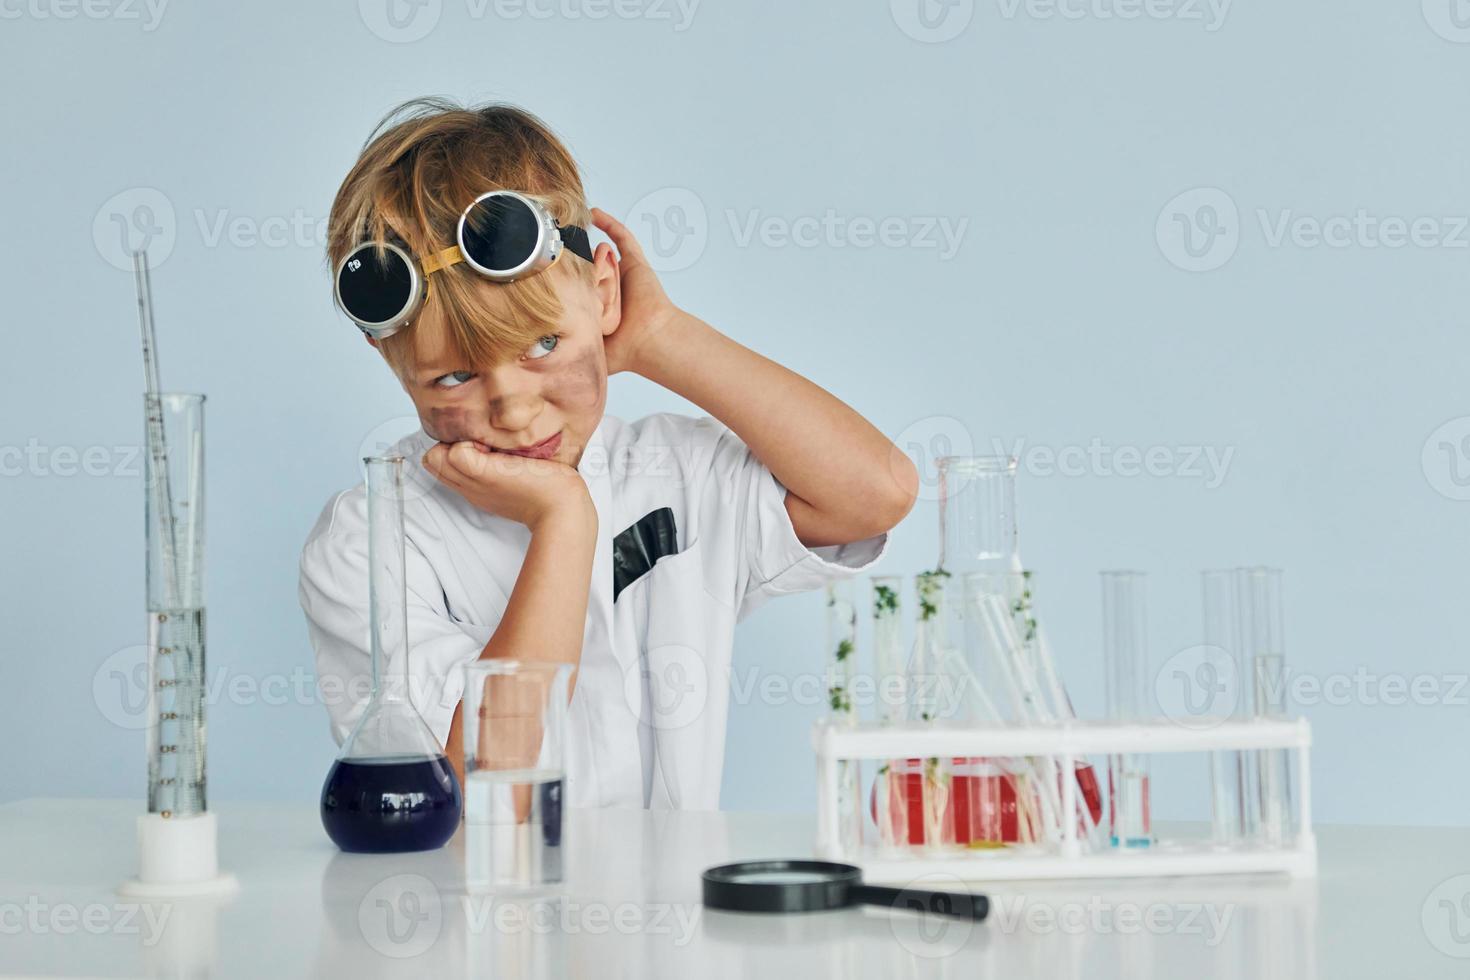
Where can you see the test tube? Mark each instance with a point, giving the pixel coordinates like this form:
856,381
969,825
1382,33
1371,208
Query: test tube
888,647
928,678
841,656
841,650
1125,656
890,803
1262,641
1228,770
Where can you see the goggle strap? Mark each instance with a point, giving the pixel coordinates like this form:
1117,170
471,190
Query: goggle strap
574,238
442,259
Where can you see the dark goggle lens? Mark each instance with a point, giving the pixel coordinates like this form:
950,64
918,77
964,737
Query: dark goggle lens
500,233
374,288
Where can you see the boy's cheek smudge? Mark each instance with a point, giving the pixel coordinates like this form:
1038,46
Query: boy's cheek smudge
449,424
581,383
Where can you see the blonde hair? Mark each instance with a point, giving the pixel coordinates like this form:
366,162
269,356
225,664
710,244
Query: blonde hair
423,164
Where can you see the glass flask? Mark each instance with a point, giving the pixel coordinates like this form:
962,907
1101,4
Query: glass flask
391,788
1002,659
1129,684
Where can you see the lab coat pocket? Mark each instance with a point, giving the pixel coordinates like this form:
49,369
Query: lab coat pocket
686,636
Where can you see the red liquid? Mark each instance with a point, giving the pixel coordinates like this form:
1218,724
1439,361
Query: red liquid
982,806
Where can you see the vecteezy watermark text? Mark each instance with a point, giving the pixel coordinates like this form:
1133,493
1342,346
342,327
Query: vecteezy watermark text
149,12
1209,464
36,917
1201,229
834,230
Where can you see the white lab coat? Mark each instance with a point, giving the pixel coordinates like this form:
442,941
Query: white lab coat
646,724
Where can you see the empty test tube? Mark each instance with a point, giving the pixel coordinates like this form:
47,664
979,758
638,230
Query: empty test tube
1125,654
1225,674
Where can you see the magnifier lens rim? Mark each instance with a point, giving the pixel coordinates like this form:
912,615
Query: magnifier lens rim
724,889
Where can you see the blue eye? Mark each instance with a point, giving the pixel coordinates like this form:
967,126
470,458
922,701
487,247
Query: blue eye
543,346
454,379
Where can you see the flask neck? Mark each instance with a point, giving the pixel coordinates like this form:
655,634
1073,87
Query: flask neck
389,684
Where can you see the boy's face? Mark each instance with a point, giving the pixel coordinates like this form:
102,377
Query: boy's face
545,403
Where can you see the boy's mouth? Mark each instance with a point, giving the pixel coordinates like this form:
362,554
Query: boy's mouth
545,449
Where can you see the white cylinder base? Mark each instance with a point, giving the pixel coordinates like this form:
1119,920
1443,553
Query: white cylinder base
177,856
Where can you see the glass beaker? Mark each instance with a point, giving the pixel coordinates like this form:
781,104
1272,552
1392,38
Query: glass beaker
977,514
1129,684
515,767
174,512
391,788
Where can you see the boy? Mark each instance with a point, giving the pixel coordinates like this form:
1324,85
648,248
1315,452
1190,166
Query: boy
541,529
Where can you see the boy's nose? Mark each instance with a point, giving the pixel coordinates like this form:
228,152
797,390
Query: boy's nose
515,413
514,404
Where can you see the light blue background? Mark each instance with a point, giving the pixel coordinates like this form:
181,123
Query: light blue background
1060,320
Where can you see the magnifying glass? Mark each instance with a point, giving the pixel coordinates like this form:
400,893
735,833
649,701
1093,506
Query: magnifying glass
813,886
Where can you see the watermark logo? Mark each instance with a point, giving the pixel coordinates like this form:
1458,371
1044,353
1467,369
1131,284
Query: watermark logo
1198,230
400,21
1445,917
921,923
929,439
1198,687
1450,19
120,688
145,219
137,219
401,916
672,225
676,680
932,21
1445,459
418,482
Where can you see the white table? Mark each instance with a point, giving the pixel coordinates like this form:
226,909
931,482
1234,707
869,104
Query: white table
631,908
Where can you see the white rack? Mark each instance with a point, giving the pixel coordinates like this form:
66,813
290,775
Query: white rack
1068,744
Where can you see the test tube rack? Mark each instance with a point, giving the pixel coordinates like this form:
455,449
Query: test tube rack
1067,743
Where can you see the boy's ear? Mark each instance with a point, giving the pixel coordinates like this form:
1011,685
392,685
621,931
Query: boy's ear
608,286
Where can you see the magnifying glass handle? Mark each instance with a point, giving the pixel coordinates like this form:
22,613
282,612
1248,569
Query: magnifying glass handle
957,904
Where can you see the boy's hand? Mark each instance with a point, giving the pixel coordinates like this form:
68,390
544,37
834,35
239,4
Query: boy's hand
646,308
524,490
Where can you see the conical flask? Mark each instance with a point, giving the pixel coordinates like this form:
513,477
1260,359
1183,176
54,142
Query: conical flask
391,788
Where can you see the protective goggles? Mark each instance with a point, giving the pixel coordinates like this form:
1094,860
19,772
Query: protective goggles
503,235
